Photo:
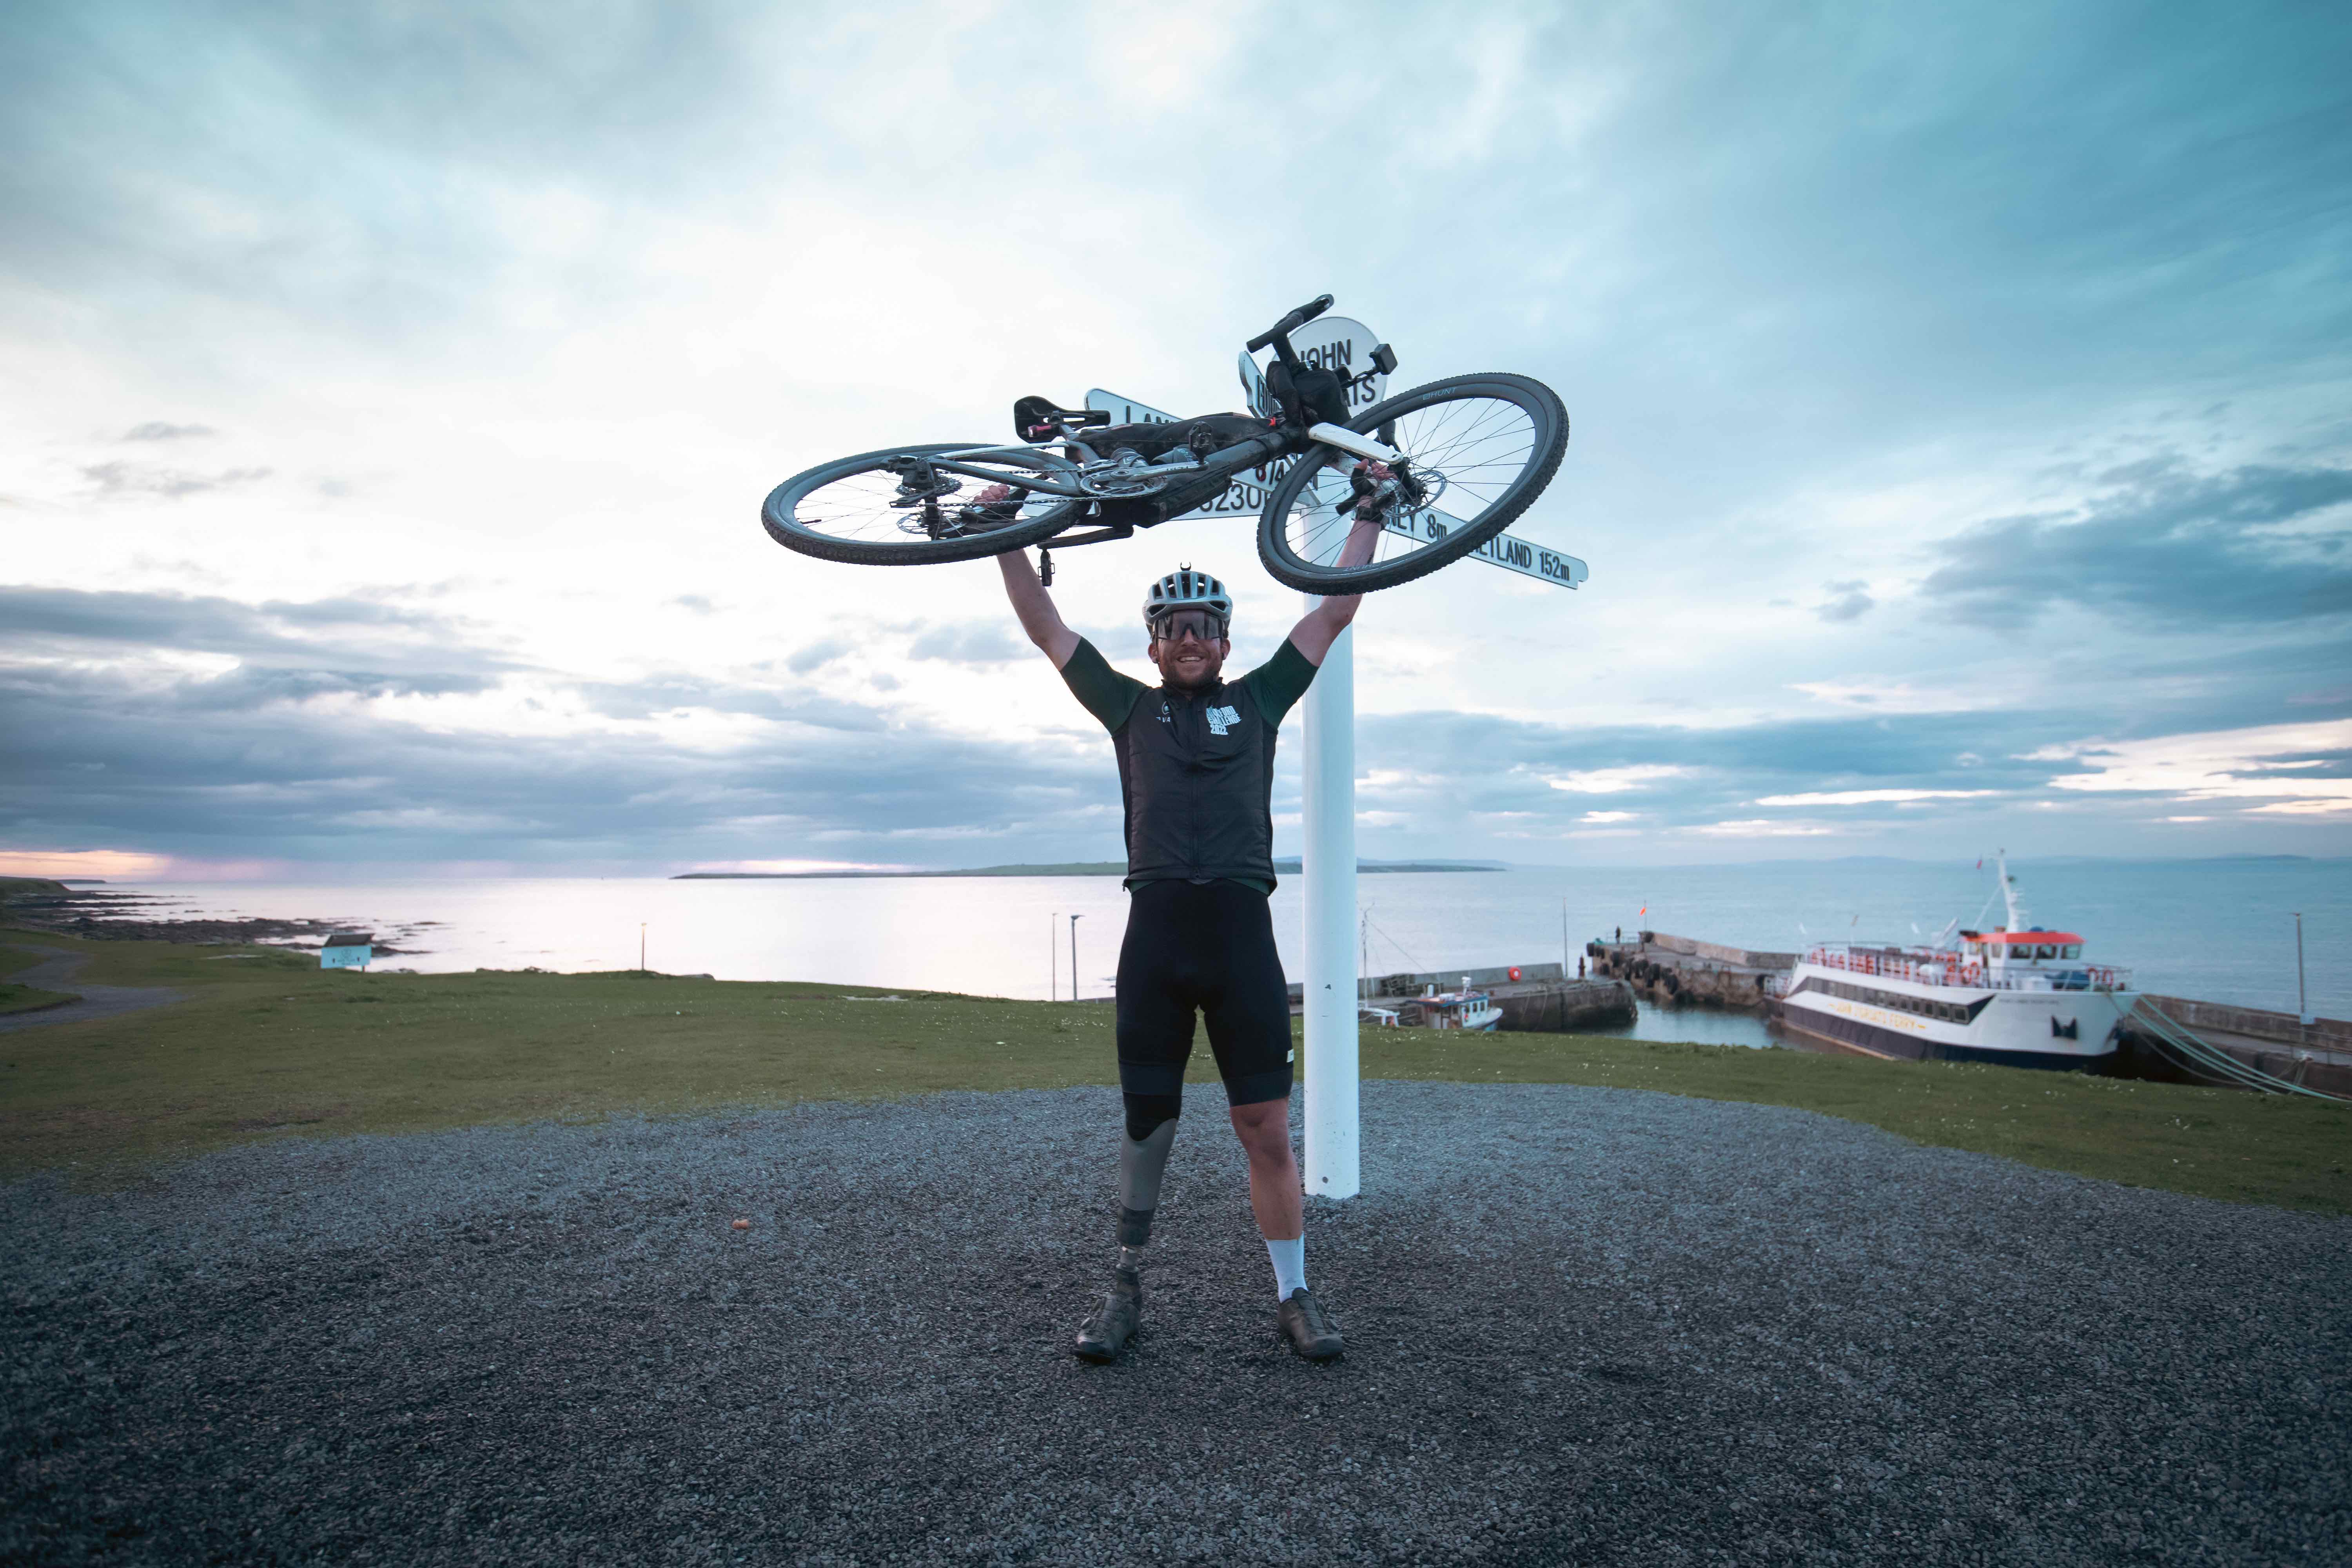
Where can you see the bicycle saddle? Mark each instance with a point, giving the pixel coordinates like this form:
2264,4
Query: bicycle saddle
1034,418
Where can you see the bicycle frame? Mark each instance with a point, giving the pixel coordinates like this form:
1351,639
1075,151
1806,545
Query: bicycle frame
1231,461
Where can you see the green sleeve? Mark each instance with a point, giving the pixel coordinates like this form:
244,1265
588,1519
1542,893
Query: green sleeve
1109,696
1280,681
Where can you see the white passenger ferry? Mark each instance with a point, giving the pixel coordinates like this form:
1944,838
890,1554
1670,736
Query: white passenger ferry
2017,994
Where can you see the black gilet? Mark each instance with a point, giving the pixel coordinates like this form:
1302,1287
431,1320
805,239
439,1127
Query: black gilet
1196,773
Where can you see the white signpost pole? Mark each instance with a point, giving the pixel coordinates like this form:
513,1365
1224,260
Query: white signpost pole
1328,867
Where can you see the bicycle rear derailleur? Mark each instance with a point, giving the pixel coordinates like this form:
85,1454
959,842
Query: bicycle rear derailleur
921,484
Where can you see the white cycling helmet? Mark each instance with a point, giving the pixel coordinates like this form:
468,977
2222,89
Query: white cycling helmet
1185,589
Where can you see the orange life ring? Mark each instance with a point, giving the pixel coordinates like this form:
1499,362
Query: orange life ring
1513,972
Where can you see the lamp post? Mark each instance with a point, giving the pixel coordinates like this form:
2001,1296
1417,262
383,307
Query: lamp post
1074,956
641,947
1053,958
2302,1001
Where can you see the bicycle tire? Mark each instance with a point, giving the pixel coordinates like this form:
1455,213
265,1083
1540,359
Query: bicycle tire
1548,444
778,516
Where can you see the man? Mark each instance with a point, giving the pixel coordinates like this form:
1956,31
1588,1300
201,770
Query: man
1196,768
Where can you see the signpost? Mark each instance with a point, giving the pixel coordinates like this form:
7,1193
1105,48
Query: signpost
1328,787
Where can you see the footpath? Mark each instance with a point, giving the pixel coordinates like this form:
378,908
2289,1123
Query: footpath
56,972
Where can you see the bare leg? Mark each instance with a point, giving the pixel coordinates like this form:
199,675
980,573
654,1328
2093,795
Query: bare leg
1265,1132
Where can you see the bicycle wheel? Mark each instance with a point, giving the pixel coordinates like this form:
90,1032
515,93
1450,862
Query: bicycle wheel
1482,448
870,510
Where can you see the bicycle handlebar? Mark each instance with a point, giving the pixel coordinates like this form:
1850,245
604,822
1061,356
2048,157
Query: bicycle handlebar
1292,323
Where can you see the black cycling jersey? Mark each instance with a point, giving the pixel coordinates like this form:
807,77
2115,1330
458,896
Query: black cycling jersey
1195,768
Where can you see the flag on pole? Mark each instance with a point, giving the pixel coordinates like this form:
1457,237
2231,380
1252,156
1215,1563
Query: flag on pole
1980,862
1642,910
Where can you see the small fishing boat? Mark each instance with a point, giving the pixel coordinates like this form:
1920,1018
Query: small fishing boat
2020,994
1464,1009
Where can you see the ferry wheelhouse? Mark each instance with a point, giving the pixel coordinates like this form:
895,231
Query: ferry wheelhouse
2018,995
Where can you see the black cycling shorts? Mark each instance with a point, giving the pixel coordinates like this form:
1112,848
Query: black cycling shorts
1205,946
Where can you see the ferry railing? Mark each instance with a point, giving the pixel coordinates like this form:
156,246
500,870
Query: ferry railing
1969,973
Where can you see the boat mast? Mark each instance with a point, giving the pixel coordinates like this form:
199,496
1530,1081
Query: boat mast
2009,891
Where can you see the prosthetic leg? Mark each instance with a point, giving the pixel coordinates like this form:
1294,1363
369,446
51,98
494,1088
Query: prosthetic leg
1142,1159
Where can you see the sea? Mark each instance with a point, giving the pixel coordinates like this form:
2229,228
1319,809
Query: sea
2220,930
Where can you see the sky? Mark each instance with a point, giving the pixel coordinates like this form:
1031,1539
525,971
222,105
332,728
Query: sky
1961,401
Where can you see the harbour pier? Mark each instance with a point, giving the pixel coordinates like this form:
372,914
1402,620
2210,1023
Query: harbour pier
1539,998
1668,971
2317,1055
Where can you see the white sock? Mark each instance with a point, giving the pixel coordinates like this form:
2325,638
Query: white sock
1289,1265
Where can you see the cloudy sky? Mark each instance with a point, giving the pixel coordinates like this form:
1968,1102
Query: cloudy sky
1962,400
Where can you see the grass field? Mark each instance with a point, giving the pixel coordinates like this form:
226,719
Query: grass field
268,1045
29,998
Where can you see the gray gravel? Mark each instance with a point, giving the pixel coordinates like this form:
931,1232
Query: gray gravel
55,974
1584,1325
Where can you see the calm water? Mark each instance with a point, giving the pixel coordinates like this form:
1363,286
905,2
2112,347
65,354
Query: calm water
2222,931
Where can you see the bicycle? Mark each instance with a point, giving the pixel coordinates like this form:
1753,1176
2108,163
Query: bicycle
1485,445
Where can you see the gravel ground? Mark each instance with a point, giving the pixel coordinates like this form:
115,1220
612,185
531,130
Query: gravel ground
57,972
1584,1325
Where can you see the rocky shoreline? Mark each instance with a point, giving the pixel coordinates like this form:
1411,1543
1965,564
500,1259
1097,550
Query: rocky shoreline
107,916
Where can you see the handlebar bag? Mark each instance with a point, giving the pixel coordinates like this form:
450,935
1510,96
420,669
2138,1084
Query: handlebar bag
1309,394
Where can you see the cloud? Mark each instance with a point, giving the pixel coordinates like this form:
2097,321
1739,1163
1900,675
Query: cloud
1851,603
976,642
2258,544
158,430
170,768
102,864
117,477
1615,781
32,620
1874,796
1888,696
2276,763
1760,828
817,654
1899,261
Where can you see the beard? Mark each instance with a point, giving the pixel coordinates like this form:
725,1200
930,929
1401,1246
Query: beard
1194,675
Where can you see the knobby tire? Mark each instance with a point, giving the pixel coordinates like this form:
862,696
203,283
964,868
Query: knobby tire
1550,443
776,517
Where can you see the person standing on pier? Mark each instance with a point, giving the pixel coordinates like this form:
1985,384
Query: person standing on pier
1196,771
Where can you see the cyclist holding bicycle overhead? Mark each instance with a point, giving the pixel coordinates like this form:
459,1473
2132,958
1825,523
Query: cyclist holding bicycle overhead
1196,769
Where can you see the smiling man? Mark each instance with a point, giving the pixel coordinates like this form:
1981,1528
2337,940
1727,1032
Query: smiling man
1196,768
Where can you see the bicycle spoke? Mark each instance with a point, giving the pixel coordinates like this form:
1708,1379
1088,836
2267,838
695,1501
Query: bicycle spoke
1472,450
876,507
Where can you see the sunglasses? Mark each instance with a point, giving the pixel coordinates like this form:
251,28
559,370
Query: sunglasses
1201,627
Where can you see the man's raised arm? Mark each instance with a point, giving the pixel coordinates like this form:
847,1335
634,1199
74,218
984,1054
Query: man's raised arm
1321,627
1035,609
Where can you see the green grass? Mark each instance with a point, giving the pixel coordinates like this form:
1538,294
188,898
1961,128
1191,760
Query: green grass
29,998
268,1045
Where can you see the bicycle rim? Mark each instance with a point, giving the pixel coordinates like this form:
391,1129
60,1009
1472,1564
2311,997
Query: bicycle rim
847,510
1486,446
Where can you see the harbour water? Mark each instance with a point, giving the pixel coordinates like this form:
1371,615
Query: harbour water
2218,930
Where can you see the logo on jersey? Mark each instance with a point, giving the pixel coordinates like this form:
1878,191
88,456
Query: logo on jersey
1221,718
